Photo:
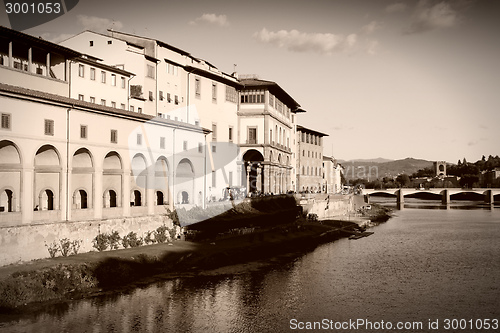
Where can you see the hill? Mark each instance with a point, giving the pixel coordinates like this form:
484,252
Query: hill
372,170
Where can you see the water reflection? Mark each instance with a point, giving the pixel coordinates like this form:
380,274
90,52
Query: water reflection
422,264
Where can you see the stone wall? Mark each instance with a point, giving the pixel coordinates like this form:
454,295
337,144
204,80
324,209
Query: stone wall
27,242
332,205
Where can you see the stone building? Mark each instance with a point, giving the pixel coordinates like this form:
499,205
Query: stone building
309,160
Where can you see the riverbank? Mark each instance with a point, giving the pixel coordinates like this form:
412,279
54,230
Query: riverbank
59,279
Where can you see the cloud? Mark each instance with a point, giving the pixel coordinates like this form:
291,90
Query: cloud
371,27
220,20
396,7
372,47
296,41
431,16
98,24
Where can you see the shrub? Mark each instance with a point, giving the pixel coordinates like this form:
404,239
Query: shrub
75,246
161,234
53,248
101,242
150,237
174,217
65,246
131,240
114,240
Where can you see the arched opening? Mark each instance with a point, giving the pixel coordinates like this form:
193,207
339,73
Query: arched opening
80,199
112,198
185,197
47,200
253,161
184,181
136,198
6,201
159,198
112,180
83,199
161,180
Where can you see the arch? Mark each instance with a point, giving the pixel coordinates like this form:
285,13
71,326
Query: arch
9,153
136,198
6,201
112,161
185,168
279,158
47,155
253,155
159,198
46,199
82,158
80,199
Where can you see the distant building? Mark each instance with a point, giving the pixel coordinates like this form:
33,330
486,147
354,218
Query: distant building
309,159
440,168
331,175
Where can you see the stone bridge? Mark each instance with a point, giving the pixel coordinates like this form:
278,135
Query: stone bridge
445,193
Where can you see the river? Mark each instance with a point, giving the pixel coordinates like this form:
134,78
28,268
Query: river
423,265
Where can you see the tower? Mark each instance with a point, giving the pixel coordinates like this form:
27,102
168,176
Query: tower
440,168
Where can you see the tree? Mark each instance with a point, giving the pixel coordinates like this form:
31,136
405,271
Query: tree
403,180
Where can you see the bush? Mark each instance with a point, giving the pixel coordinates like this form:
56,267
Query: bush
114,240
64,247
161,234
53,248
101,242
132,240
75,246
150,237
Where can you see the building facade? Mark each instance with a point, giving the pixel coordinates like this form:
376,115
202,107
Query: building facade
309,160
331,175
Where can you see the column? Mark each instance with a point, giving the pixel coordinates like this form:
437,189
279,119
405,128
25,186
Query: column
98,193
11,60
26,195
247,178
30,59
445,197
48,64
126,192
489,197
259,178
400,199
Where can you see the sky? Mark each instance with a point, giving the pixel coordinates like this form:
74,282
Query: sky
385,78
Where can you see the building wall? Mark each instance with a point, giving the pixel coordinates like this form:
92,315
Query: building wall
309,161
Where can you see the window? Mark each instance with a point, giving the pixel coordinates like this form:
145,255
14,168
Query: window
197,87
139,110
83,131
230,134
80,97
214,148
123,82
5,120
214,180
162,142
122,106
214,132
139,139
231,94
252,96
103,102
200,147
168,98
91,43
252,135
81,70
92,99
176,100
39,71
114,136
110,42
103,77
214,92
92,74
151,71
113,79
132,108
185,145
150,95
49,127
113,105
196,123
161,95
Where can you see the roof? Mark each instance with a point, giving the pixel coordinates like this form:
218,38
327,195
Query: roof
274,88
70,102
308,130
108,67
222,77
38,42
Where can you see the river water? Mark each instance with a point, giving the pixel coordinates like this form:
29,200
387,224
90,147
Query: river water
422,265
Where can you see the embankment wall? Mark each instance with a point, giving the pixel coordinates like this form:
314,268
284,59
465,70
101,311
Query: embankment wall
28,242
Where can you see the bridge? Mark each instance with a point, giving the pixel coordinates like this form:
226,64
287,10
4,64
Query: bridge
445,193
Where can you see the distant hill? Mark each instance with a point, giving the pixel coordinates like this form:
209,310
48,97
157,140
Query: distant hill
390,168
368,160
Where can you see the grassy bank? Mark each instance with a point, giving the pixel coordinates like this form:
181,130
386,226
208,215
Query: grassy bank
81,275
